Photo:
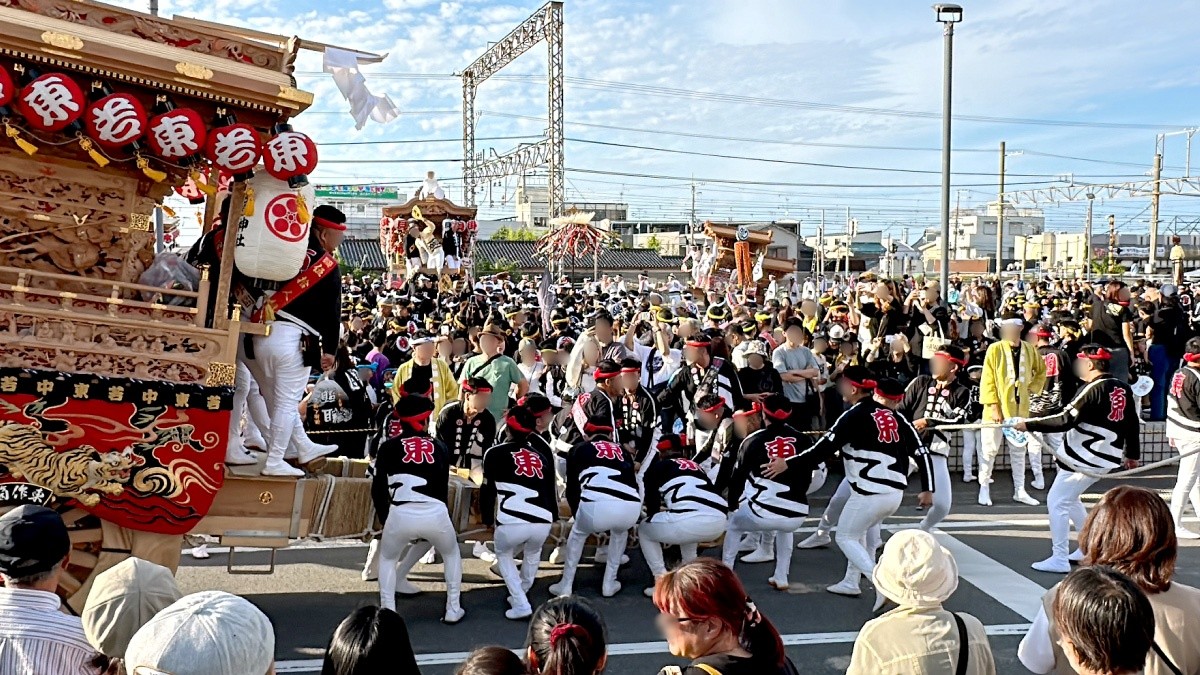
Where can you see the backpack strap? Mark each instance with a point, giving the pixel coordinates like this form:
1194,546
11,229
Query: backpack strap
1166,661
706,668
964,645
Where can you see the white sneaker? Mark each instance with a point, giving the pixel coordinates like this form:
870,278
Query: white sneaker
816,540
315,451
778,585
559,590
880,601
648,591
985,495
453,615
1038,482
846,588
480,550
968,477
518,613
748,543
1077,555
278,467
406,587
429,558
556,556
1053,565
200,552
1023,497
609,589
1183,533
602,556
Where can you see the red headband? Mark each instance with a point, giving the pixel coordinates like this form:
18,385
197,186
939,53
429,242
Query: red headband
1192,358
514,424
325,222
879,392
776,414
599,375
631,370
475,390
697,343
1044,332
715,407
1101,354
865,384
590,428
755,408
951,359
419,417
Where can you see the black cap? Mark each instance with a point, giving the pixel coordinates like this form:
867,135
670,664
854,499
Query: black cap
33,539
413,408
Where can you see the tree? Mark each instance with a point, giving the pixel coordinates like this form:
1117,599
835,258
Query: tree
487,267
1101,266
523,233
653,243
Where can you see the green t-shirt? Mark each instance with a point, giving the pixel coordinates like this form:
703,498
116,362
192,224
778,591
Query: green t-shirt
502,373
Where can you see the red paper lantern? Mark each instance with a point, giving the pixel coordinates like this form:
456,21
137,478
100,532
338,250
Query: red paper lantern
51,102
115,121
191,192
291,156
8,90
177,134
235,148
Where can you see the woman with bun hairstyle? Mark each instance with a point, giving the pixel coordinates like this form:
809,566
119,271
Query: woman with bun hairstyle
566,636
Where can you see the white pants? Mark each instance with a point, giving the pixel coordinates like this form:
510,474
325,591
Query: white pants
615,517
259,422
1066,508
417,527
992,439
833,512
1187,485
970,438
684,530
241,392
861,513
279,368
1041,442
452,263
744,520
527,538
941,493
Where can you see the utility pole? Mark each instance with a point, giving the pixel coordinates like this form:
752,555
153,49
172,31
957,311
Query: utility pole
1112,242
821,249
799,243
692,218
1000,218
1154,199
1087,236
849,240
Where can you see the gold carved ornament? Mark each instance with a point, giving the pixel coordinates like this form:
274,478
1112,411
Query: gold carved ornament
194,71
139,222
220,374
62,40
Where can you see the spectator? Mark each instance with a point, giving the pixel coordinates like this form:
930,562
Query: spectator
207,633
706,616
566,637
371,640
122,600
798,369
499,370
426,373
759,378
920,637
1166,336
1131,530
1105,622
491,661
36,637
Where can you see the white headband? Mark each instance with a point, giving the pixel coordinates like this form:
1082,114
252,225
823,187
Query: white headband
1012,322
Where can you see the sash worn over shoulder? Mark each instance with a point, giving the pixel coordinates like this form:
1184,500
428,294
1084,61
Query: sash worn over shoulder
295,288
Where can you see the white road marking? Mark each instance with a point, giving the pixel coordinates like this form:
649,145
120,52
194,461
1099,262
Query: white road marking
1002,584
635,648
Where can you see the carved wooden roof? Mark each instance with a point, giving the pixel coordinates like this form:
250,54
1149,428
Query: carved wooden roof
161,54
432,208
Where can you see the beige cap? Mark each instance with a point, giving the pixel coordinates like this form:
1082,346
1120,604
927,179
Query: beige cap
122,600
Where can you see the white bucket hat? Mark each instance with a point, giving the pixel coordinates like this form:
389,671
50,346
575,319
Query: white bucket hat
916,571
206,633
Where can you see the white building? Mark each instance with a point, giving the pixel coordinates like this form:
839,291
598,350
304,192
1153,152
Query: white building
973,234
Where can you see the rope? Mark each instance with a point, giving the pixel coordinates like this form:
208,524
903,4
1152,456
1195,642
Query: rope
1070,463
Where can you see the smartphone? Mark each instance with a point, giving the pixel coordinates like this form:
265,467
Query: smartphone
889,339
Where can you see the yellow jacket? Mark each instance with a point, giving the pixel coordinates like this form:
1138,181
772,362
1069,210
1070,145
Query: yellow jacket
445,386
997,385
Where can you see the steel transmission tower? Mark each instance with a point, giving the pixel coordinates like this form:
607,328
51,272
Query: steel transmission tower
546,24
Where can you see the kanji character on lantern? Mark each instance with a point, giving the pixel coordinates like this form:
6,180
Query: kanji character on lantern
177,135
51,102
290,156
236,148
116,120
8,90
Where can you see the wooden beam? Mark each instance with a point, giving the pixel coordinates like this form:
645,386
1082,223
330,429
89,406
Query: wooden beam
282,41
237,204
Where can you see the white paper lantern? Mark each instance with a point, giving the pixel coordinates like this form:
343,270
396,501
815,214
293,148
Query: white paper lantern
273,240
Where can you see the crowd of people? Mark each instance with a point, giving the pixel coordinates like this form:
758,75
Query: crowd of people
698,420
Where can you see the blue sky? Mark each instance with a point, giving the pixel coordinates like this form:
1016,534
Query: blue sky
1104,61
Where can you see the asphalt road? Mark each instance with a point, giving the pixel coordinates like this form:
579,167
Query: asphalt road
314,587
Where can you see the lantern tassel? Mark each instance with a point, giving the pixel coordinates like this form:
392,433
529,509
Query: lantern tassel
90,149
15,135
201,185
249,210
302,209
153,174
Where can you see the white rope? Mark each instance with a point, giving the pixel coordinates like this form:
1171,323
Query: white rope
1125,472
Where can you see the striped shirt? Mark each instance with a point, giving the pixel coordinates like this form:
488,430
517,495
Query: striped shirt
38,639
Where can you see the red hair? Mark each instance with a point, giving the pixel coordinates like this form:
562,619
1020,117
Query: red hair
706,590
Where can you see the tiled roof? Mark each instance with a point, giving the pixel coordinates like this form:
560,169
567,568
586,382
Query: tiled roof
363,254
521,253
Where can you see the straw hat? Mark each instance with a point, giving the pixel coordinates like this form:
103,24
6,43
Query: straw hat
916,571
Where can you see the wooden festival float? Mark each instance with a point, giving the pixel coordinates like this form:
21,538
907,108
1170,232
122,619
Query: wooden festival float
428,216
737,255
115,395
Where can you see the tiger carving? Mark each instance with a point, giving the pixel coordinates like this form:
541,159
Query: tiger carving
81,473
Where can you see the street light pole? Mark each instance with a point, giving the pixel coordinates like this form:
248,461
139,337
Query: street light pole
947,15
1087,239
